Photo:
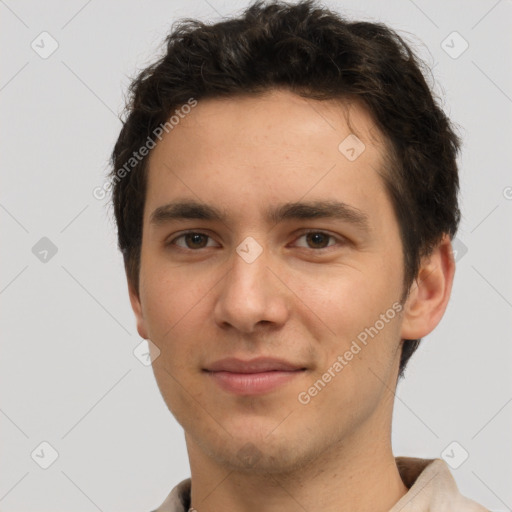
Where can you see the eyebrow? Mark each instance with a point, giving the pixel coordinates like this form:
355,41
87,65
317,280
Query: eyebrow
326,209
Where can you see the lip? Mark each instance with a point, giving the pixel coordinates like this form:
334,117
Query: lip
252,377
258,365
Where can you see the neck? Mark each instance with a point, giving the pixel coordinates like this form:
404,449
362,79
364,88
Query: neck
344,478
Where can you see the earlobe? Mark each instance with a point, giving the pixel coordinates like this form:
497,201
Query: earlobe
137,309
430,292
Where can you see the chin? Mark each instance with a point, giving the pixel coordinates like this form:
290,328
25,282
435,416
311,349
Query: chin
263,449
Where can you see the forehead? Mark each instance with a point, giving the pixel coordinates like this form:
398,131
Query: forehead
246,152
272,118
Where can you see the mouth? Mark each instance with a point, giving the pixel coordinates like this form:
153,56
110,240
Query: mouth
252,377
253,383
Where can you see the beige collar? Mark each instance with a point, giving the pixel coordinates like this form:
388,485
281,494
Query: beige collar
430,483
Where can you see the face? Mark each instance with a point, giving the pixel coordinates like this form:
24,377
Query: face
267,244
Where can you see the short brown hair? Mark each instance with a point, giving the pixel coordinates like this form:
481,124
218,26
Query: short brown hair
317,54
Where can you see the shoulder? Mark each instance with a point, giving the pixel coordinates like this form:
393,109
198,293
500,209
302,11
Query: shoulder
178,499
431,487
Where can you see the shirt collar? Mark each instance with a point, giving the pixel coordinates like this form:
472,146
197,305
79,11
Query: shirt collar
430,483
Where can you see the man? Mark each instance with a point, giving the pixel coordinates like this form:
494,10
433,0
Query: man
285,189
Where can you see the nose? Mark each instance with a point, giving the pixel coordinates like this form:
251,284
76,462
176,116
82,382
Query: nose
251,295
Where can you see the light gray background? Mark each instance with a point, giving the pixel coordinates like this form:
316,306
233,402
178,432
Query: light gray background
67,369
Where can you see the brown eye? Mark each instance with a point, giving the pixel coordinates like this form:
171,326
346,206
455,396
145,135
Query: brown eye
192,241
316,240
195,240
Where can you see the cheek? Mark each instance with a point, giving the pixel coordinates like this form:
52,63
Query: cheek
355,364
346,300
173,303
170,296
361,311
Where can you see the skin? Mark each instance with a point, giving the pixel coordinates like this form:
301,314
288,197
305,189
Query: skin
202,302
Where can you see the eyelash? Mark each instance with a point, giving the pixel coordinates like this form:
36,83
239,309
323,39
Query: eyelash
340,240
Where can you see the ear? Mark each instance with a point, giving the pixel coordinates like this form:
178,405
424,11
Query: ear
429,293
137,309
